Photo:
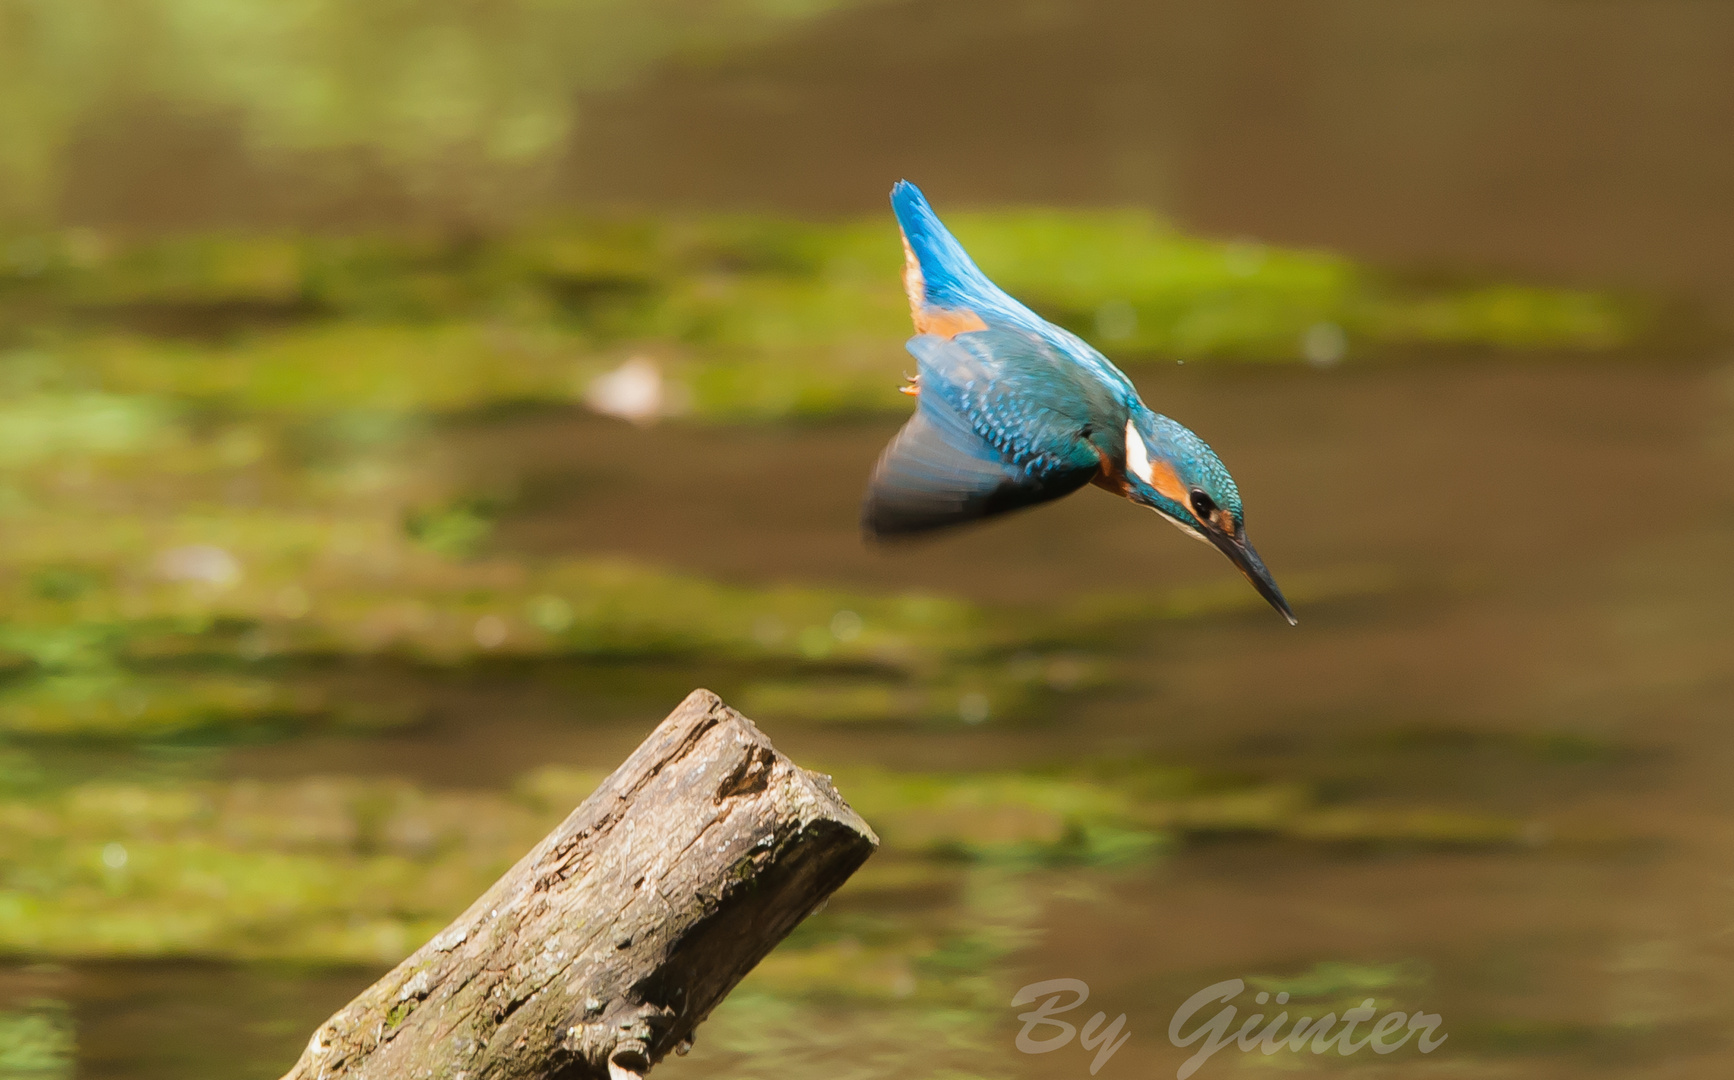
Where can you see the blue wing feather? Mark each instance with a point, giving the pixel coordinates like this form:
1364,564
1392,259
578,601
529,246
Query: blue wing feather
1004,421
950,279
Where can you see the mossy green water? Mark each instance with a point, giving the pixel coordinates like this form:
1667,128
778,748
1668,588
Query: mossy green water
37,1041
340,870
221,479
327,870
144,599
751,319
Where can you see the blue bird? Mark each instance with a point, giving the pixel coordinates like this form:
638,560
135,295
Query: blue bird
1013,411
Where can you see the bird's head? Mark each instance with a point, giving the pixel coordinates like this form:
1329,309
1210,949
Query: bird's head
1176,474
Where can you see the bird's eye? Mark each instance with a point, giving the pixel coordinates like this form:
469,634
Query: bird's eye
1202,504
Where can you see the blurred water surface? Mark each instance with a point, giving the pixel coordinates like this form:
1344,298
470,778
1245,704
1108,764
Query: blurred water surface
327,593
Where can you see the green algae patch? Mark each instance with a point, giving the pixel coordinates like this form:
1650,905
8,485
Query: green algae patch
123,650
123,704
144,600
1010,818
336,365
49,426
171,570
329,870
1019,689
351,870
1330,979
229,646
1128,815
38,1041
745,319
1127,281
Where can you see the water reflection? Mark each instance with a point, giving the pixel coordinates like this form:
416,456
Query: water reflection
177,112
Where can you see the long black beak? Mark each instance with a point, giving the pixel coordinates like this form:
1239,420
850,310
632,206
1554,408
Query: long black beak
1242,555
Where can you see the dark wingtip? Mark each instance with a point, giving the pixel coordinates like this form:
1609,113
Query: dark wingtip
870,530
883,525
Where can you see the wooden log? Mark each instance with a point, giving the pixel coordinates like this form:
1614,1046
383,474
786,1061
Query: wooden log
606,945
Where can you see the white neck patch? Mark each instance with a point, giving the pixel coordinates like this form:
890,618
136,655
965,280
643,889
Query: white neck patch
1138,464
1137,455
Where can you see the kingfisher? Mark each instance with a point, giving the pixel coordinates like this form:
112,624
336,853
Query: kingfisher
1012,411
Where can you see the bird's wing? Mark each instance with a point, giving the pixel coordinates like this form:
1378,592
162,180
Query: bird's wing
938,274
1004,420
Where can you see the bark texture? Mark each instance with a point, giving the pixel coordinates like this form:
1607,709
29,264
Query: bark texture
606,945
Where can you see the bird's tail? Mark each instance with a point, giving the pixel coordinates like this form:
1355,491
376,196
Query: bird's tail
948,277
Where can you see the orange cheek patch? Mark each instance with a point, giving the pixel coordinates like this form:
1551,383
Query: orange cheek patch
1164,479
947,322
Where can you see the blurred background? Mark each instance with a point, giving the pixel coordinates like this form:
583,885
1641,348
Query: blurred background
406,404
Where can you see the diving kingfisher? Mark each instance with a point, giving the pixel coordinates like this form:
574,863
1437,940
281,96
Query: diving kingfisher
1012,411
